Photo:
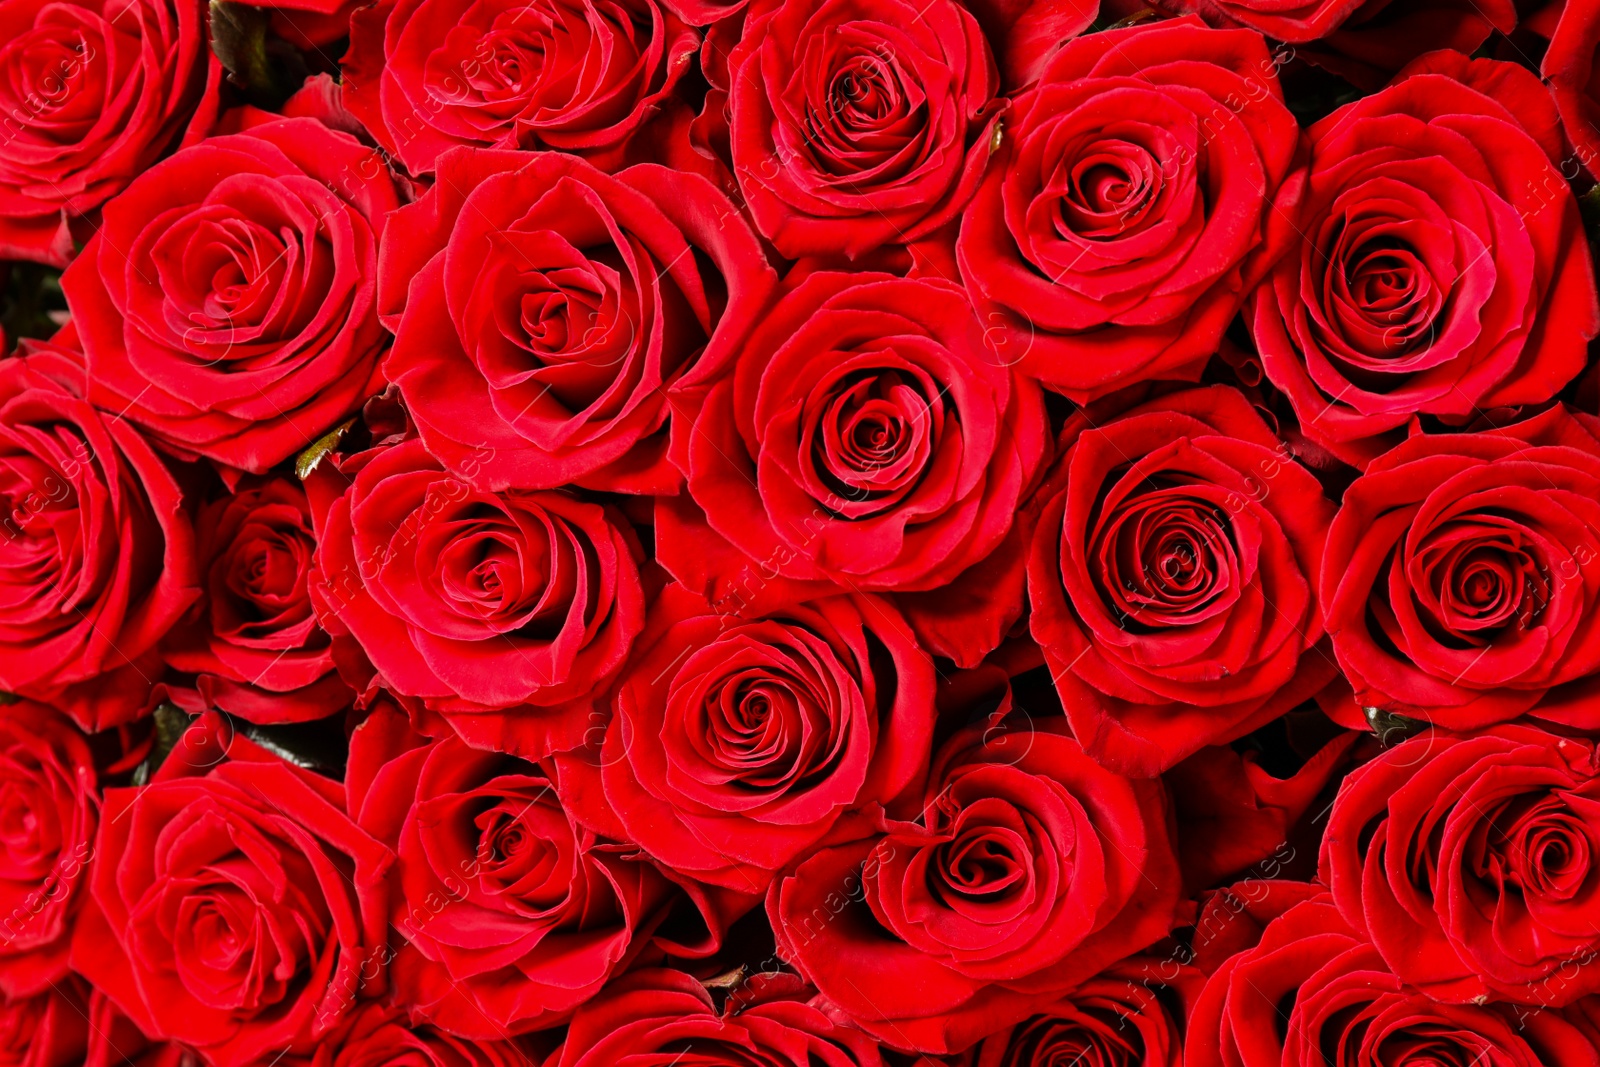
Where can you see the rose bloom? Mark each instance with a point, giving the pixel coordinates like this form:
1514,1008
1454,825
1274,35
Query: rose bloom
866,440
551,318
736,745
1123,225
377,1036
1462,575
255,644
1130,1015
1030,869
570,75
1310,985
855,125
228,303
1173,579
1442,269
1469,862
92,94
510,911
98,558
660,1016
504,612
233,906
48,812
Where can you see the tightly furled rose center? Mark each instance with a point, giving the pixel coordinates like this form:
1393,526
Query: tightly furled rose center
569,304
579,313
1090,1037
1166,558
870,435
498,67
245,270
1387,286
243,934
997,870
1475,577
765,712
504,569
1536,845
1111,195
865,119
54,75
525,848
264,575
984,861
1104,186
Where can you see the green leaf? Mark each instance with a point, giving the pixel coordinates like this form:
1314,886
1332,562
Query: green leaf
1391,729
267,68
307,461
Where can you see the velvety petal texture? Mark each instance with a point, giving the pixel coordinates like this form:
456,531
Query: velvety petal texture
1438,268
229,301
100,560
1030,869
1173,580
582,76
1126,218
92,94
553,321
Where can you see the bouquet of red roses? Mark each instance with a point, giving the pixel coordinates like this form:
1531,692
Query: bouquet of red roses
800,533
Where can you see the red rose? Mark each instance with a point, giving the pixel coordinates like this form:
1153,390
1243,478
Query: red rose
656,1016
1311,993
1470,864
1442,269
1030,870
233,906
228,303
858,125
1461,581
1108,245
866,440
1569,68
1130,1015
100,558
256,645
550,317
48,811
1173,576
377,1036
736,746
480,604
575,76
49,1029
510,912
92,94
